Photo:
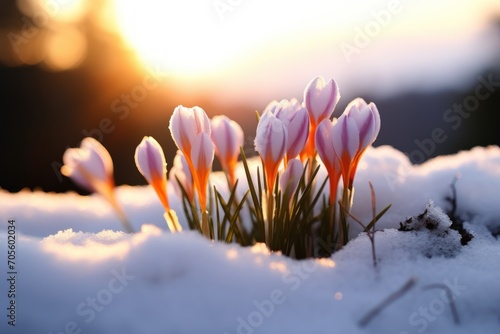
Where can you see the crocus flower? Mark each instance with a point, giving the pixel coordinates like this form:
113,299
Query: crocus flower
271,143
296,120
320,99
291,177
150,161
346,144
185,125
180,173
367,118
91,167
202,155
227,137
325,145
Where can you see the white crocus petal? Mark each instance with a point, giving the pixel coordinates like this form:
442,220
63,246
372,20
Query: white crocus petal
185,124
150,160
358,111
271,138
324,143
345,138
376,119
227,136
291,176
298,131
88,164
320,98
296,119
202,154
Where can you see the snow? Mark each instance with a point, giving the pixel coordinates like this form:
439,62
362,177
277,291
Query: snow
78,273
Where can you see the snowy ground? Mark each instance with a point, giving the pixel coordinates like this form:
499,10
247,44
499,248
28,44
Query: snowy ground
77,273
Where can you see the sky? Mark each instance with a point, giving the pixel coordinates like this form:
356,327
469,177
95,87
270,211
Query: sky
258,49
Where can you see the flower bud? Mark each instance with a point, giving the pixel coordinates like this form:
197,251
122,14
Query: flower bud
320,99
150,162
186,124
90,166
326,152
296,120
271,143
227,137
202,156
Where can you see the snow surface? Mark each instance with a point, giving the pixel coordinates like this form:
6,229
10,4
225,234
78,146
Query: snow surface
78,273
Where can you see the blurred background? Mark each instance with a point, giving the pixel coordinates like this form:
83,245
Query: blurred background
116,69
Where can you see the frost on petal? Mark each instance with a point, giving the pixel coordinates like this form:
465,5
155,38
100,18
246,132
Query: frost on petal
320,98
150,160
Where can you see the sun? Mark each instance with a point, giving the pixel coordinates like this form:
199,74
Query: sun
183,36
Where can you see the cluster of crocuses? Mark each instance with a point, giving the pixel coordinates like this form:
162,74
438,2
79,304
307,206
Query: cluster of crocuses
289,136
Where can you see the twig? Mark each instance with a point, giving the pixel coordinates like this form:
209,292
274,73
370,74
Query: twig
386,302
449,294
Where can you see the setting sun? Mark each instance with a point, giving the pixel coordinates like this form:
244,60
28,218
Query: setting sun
174,34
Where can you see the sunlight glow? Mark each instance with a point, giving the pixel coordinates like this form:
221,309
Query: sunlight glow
193,38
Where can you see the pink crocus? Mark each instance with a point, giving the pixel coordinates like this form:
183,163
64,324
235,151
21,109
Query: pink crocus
202,156
367,118
320,100
180,173
345,144
325,145
186,125
227,137
271,144
90,166
150,162
296,120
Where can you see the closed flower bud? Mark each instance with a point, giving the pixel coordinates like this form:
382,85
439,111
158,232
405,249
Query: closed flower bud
89,166
296,120
202,156
320,100
150,162
326,151
271,144
227,137
186,124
